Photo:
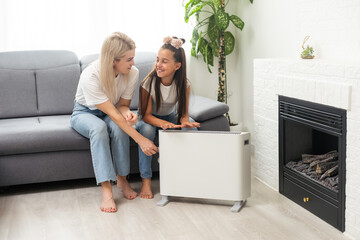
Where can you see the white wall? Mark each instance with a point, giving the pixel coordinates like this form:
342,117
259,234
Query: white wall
82,25
276,29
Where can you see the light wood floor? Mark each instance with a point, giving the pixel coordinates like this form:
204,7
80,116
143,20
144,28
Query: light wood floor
70,210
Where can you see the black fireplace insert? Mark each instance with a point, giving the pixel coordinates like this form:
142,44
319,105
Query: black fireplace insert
312,145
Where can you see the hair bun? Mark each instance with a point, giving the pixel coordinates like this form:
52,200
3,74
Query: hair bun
167,40
174,41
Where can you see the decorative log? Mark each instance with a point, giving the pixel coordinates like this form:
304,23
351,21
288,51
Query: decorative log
308,170
290,164
332,181
293,164
298,163
305,156
314,175
331,172
301,167
316,162
312,165
322,167
308,158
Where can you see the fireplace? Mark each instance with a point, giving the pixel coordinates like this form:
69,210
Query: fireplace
312,145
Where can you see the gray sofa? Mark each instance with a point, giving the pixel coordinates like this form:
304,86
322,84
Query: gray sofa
37,143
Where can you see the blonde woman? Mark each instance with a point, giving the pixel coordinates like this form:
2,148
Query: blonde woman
101,113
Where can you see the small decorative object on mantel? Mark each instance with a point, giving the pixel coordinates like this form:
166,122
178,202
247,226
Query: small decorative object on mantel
307,52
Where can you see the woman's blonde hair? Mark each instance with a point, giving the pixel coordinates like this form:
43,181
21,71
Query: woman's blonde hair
113,49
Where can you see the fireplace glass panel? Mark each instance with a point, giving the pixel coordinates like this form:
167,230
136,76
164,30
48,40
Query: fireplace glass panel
301,139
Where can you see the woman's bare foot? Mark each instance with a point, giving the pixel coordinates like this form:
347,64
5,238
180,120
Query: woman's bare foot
108,203
128,192
146,189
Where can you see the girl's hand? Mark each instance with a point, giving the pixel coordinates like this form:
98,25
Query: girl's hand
148,147
131,118
165,125
187,124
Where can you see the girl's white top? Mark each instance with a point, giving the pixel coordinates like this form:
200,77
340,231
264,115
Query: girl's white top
168,94
90,92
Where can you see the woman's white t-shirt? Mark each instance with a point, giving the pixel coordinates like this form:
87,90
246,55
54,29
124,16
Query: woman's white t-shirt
168,94
89,91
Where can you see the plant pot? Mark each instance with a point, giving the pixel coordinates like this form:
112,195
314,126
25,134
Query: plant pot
307,57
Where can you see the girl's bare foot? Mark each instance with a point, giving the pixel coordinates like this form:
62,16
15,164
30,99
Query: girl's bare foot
128,192
108,203
146,189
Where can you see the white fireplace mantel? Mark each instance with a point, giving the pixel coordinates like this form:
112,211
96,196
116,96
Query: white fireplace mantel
330,83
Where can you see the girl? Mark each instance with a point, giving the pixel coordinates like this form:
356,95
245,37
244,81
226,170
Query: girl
164,87
101,113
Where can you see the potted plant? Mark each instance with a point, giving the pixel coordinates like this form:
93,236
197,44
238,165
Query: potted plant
308,52
210,37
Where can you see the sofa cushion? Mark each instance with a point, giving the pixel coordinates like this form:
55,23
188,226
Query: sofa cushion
86,60
202,109
31,60
17,93
39,134
220,123
37,83
56,88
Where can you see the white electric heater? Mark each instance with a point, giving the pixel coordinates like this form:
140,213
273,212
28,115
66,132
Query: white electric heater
205,164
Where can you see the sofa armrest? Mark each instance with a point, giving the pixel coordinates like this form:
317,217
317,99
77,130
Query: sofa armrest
202,108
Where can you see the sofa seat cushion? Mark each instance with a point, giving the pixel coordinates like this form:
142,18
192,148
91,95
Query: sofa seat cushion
39,134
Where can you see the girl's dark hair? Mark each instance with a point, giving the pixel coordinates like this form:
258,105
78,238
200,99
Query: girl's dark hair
179,78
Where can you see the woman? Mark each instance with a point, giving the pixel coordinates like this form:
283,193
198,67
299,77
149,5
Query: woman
101,113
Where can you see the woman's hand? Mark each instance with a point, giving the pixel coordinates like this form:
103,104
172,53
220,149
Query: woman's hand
148,147
131,118
187,124
165,125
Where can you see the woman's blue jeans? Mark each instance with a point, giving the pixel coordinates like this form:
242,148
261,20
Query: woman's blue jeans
149,131
109,144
